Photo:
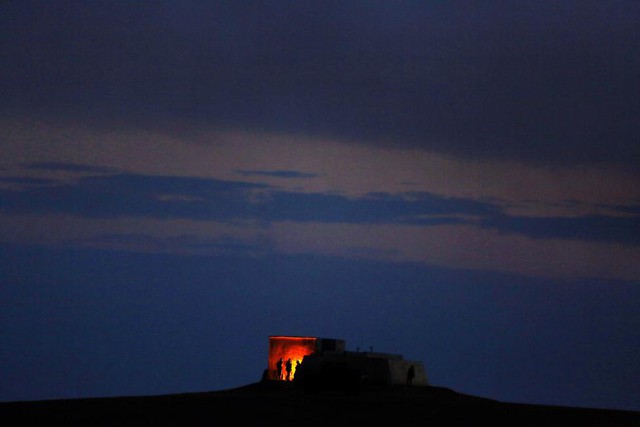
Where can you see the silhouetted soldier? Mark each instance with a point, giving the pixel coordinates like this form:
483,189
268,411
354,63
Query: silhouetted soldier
411,373
288,366
279,368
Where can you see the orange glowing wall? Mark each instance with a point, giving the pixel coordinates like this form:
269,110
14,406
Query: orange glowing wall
288,348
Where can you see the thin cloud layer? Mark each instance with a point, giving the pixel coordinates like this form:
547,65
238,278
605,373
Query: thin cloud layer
279,193
68,167
546,82
277,173
164,197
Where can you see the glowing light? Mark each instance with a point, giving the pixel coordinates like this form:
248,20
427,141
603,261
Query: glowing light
285,353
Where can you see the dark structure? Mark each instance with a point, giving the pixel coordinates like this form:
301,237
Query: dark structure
323,363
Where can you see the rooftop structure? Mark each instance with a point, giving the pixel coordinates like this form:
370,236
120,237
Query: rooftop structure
315,360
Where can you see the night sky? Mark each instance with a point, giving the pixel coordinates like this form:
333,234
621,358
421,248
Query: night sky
454,181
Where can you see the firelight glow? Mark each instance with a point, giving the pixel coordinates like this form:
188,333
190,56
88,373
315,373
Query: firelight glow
288,348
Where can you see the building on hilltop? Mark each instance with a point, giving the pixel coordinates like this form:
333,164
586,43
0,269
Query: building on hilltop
320,363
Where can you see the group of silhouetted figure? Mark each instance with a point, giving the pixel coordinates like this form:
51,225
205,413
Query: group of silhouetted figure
288,366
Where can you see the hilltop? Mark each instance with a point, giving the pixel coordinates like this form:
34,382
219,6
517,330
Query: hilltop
279,403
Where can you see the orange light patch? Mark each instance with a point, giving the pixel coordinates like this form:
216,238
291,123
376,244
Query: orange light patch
285,353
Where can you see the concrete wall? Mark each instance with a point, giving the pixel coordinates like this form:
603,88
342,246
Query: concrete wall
387,369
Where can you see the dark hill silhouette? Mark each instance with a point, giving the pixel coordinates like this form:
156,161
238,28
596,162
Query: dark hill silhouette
278,403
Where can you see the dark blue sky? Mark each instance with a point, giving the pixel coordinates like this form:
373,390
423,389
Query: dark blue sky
452,181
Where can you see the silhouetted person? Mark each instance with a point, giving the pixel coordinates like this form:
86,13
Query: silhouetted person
411,373
279,368
288,366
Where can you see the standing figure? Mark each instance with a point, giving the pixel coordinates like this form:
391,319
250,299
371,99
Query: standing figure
279,369
297,366
411,373
288,366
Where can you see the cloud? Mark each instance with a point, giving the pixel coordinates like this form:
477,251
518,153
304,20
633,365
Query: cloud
627,209
204,199
343,167
599,228
277,173
223,243
136,195
459,246
69,167
462,246
211,199
543,83
26,180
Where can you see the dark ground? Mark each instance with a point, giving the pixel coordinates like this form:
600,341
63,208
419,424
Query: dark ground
280,404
